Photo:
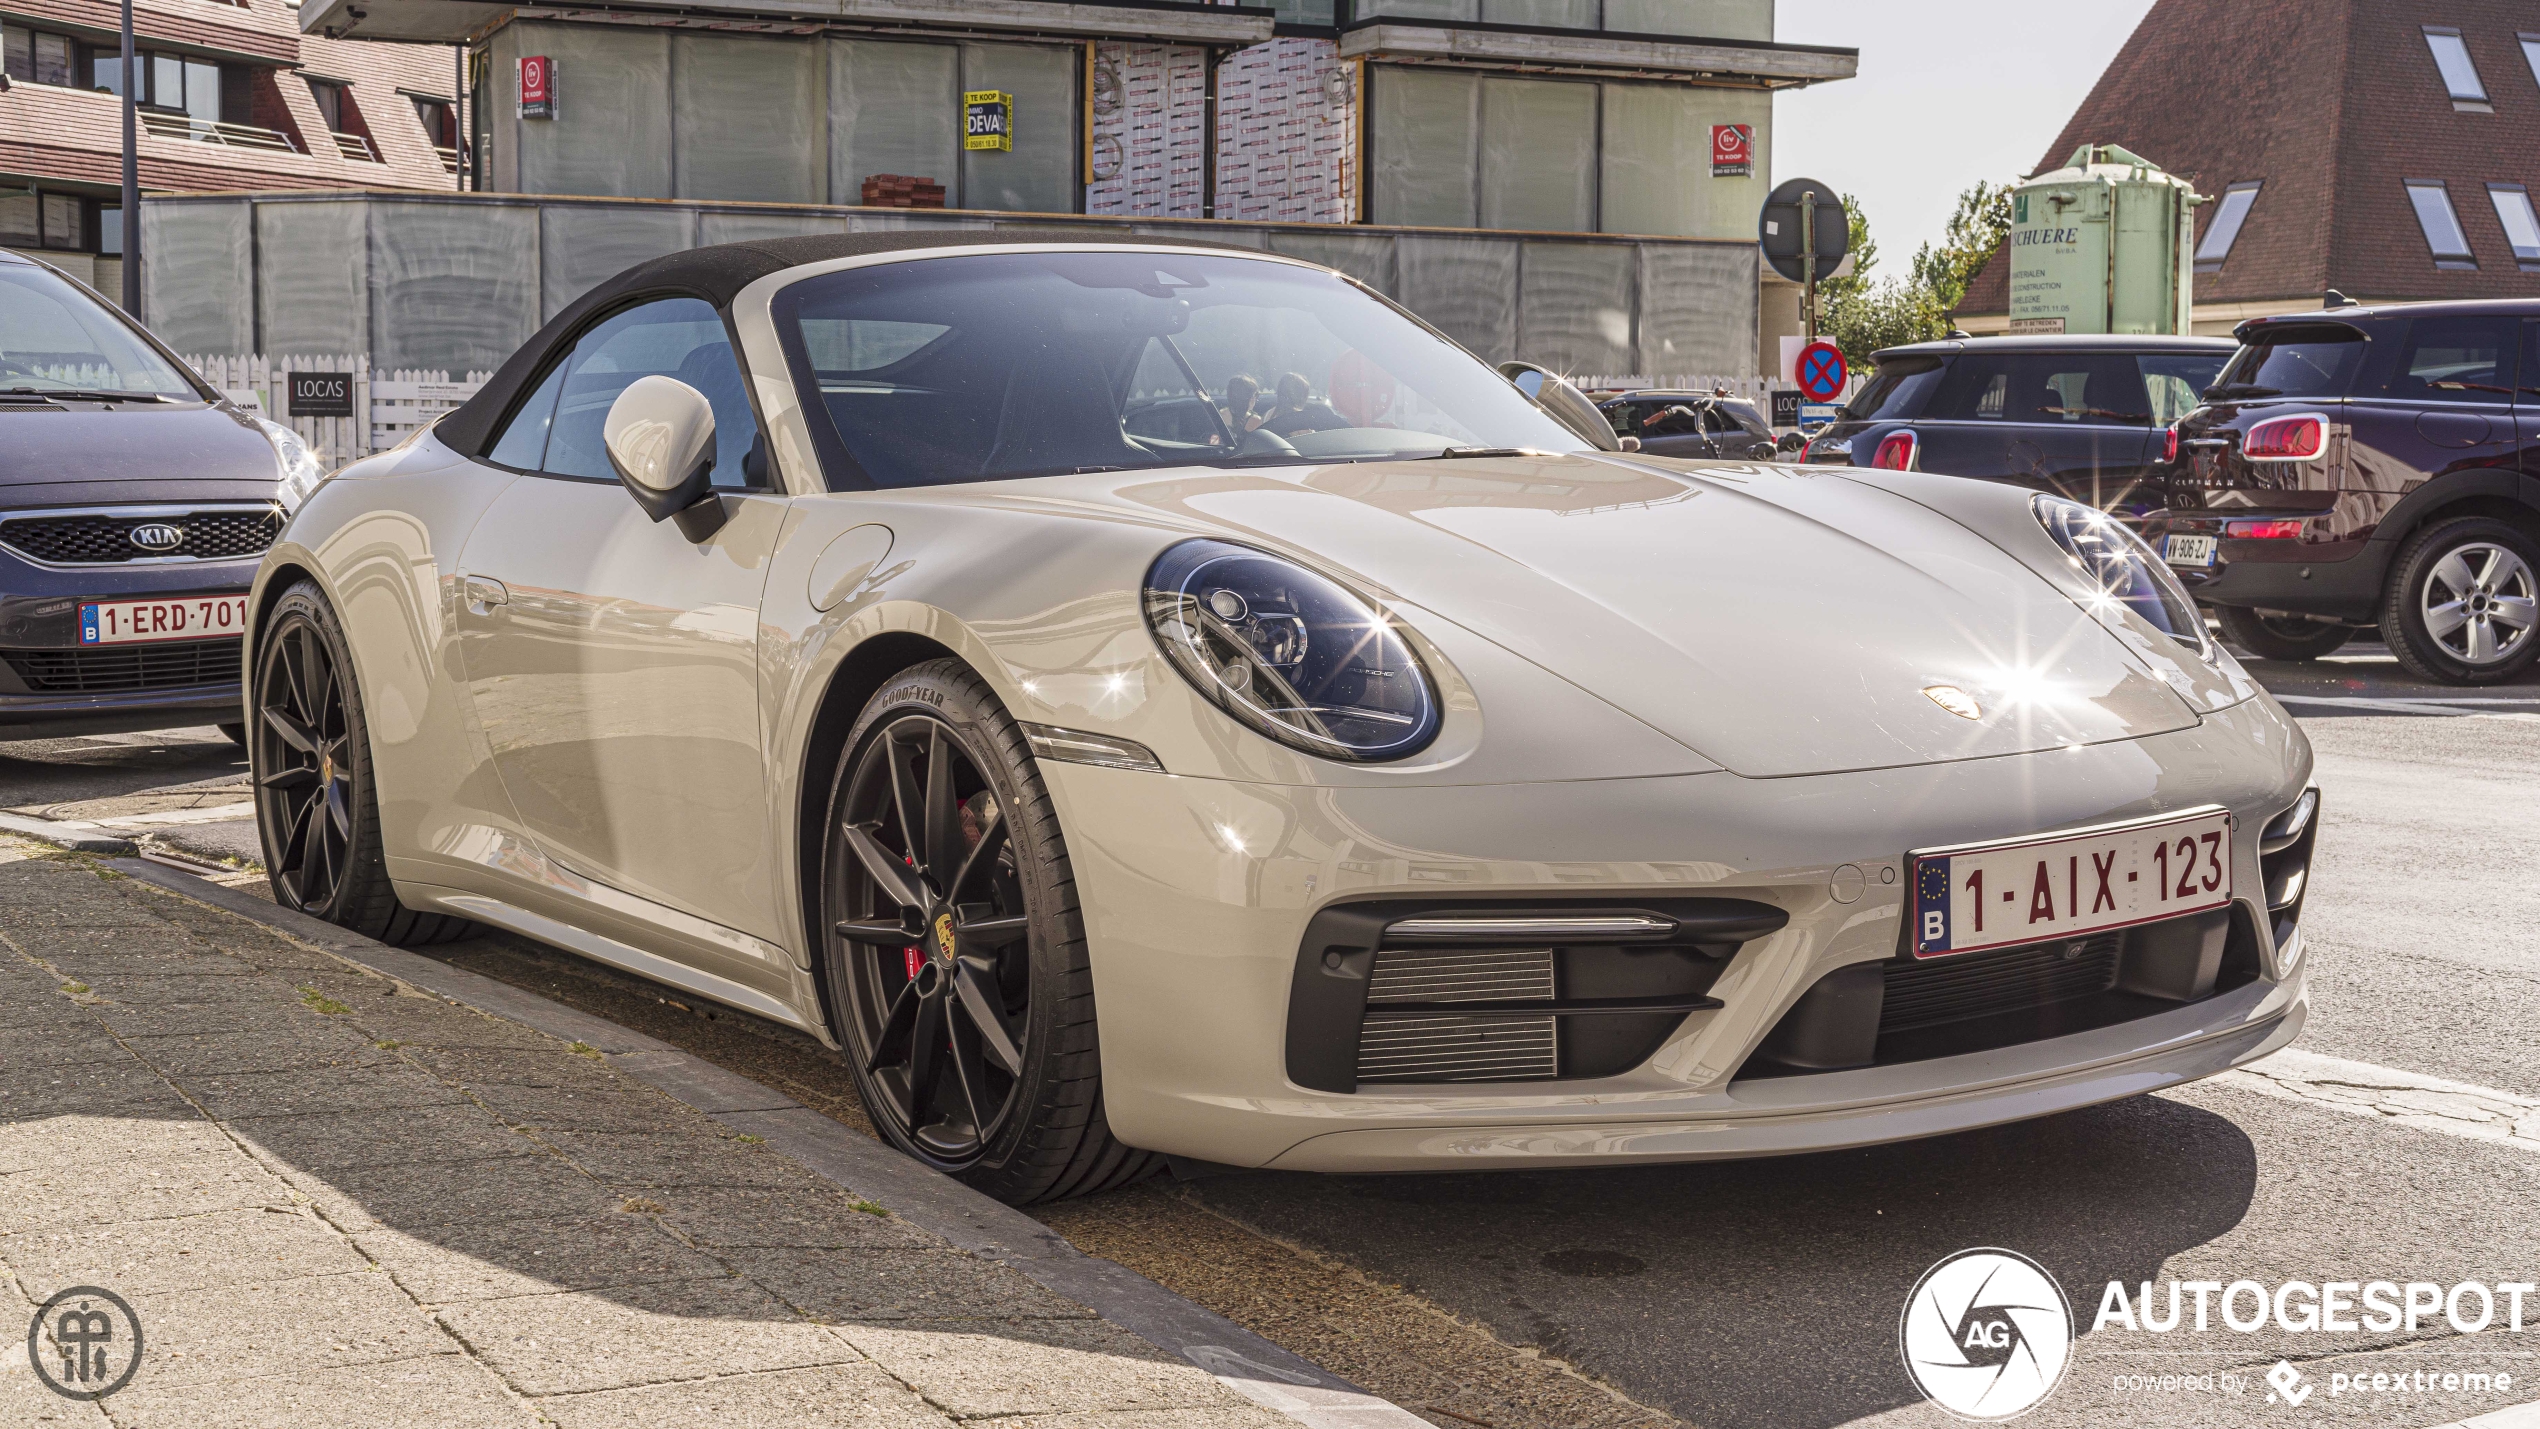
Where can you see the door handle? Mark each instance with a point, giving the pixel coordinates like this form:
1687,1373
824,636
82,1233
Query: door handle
483,593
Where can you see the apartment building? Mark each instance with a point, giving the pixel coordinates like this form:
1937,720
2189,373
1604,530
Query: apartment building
1573,180
232,96
2387,150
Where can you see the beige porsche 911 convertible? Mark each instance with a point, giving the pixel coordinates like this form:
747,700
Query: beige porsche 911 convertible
1147,700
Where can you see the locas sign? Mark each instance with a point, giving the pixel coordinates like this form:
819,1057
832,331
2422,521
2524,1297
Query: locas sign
321,394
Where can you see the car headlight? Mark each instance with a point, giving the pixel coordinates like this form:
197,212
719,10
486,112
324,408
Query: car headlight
2120,564
300,470
1289,653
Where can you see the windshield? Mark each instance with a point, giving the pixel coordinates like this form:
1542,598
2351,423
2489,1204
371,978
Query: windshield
979,368
2294,362
55,338
2175,380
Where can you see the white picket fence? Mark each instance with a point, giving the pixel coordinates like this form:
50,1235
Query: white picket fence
387,406
1758,390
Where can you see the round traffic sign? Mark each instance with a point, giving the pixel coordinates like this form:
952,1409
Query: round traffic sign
1821,371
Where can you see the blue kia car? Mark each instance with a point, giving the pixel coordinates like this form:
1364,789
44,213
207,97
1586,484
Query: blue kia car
134,504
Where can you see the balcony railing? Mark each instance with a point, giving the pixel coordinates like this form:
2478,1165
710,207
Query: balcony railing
355,147
449,158
208,131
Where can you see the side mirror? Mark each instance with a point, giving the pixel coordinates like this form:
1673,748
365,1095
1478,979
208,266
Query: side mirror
1562,402
660,438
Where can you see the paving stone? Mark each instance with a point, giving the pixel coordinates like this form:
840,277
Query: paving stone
447,1264
40,1006
437,1391
108,971
858,1395
228,1053
278,1016
318,1089
703,1158
279,1327
736,1218
620,1108
58,1045
144,1186
150,936
419,1195
430,1022
233,1247
65,903
686,1329
125,1088
253,987
547,1065
865,1284
975,1369
458,1132
55,1142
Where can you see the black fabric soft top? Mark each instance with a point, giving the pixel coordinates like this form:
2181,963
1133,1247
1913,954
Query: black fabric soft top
718,274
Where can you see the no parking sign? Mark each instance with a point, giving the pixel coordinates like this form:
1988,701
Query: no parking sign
1821,372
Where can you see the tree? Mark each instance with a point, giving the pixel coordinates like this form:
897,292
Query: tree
1974,235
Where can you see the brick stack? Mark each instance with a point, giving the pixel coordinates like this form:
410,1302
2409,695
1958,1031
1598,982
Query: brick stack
902,191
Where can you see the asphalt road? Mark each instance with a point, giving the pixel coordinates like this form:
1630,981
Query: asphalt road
1768,1293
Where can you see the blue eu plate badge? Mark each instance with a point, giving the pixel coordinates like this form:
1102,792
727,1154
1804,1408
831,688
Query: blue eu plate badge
1931,905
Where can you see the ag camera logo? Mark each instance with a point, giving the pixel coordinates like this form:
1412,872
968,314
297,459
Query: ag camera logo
1986,1334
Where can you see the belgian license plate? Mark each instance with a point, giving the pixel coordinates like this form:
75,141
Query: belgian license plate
2188,550
1997,895
127,622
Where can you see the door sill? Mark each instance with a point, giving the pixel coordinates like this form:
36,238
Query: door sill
608,950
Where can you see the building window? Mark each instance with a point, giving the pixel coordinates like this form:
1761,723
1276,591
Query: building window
2460,75
2225,229
2442,226
343,119
41,220
2531,54
2522,227
39,58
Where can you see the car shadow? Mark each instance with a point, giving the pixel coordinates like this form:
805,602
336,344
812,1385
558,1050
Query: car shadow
1769,1292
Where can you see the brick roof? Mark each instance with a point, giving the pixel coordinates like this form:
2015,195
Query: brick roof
2333,104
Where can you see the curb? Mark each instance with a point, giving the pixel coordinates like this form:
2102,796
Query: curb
78,838
1253,1367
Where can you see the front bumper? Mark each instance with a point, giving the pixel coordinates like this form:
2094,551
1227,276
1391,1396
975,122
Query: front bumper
39,623
1197,893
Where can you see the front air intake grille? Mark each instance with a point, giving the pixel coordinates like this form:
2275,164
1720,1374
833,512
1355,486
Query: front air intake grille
1941,990
1431,1047
102,539
110,669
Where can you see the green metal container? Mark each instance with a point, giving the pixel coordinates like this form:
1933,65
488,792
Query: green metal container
2103,245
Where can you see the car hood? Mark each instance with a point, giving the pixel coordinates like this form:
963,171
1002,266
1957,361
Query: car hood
89,455
1778,620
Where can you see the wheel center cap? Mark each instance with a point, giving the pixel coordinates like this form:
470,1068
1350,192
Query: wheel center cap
944,939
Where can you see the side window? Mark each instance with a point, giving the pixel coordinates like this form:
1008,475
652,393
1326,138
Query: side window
671,337
523,443
1978,389
2457,360
2102,389
2527,387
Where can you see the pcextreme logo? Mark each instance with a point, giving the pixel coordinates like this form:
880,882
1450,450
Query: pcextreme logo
1986,1334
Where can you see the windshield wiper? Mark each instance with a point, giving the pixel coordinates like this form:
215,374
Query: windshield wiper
78,394
1458,453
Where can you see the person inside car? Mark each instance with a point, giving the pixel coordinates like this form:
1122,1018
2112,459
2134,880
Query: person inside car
1241,393
1298,411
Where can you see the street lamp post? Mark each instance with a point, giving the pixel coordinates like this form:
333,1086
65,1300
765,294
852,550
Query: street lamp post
131,177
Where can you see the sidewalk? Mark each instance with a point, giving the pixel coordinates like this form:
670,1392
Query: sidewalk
329,1199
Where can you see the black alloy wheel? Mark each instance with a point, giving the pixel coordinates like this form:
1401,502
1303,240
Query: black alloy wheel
309,754
2281,635
955,961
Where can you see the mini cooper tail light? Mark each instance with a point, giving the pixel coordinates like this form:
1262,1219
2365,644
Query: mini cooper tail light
2264,530
1897,452
2300,438
2169,444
